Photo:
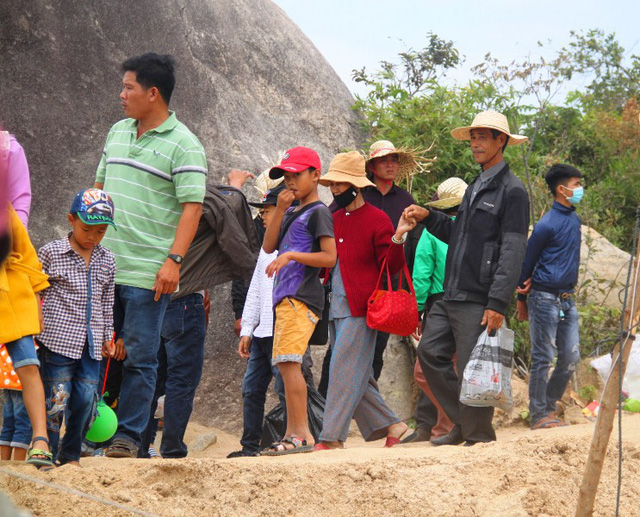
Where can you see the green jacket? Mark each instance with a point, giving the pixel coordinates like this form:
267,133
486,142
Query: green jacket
428,268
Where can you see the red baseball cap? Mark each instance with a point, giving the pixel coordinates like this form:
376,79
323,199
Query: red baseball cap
296,160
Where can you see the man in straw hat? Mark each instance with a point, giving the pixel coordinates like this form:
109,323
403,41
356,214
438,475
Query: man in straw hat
384,166
487,243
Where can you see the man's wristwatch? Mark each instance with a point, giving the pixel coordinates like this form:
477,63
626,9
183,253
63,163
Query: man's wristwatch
176,258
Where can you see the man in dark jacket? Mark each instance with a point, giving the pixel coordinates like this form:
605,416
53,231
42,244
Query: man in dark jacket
487,242
550,273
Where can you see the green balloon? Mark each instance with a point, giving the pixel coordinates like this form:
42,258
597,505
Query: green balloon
632,405
105,424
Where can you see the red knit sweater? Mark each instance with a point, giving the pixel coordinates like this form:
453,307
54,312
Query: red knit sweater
363,240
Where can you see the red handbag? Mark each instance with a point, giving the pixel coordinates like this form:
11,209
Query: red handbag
394,312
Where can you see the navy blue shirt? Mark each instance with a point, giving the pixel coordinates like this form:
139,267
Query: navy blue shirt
392,203
553,251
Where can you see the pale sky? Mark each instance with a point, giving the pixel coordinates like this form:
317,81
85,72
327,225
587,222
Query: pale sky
355,33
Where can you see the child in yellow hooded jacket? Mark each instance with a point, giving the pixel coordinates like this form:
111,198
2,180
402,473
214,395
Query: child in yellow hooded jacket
21,279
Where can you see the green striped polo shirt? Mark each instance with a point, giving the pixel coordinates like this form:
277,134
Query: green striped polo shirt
148,178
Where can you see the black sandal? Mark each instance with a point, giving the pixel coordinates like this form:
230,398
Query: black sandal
299,445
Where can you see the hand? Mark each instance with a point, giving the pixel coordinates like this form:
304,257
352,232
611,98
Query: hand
166,279
237,326
417,333
206,303
108,348
415,212
493,321
119,352
279,263
244,347
404,225
523,311
526,289
237,178
285,199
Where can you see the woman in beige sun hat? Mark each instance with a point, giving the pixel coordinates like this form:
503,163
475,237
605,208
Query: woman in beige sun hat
364,239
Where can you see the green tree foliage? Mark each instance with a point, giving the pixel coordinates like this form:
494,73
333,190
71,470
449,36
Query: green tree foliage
596,129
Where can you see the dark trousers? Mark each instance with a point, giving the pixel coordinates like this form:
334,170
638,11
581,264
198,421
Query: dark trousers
454,327
257,378
426,411
381,345
180,361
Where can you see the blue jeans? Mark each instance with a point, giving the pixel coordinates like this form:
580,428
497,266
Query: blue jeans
180,361
553,324
141,318
16,426
23,352
257,378
71,391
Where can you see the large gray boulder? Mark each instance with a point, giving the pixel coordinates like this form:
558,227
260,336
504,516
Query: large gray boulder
603,270
249,84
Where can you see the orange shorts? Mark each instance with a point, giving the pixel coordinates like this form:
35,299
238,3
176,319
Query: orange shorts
294,326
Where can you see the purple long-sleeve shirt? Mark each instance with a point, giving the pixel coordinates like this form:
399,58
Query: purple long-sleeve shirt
18,182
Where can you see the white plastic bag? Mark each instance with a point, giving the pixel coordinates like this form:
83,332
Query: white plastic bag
486,380
631,382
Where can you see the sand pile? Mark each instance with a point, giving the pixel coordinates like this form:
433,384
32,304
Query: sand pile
523,474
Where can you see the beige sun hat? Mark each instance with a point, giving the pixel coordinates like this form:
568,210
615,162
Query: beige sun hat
406,158
450,193
489,120
347,168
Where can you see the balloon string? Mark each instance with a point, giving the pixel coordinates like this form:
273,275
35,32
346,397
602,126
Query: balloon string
106,370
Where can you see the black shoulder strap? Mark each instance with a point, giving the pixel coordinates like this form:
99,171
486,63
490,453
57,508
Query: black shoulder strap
288,224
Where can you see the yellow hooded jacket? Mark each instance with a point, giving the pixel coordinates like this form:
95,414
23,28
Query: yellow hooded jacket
21,277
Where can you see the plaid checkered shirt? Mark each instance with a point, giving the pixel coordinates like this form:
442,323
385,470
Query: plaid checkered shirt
72,317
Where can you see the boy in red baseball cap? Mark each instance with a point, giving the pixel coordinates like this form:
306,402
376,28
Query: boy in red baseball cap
304,239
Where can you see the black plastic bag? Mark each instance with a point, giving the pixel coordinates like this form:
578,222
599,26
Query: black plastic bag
275,424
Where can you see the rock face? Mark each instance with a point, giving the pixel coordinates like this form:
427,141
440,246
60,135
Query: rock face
249,84
603,270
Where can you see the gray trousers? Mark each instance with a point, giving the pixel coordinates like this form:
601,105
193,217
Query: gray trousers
454,327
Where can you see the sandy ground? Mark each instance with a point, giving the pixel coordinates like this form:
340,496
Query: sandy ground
524,473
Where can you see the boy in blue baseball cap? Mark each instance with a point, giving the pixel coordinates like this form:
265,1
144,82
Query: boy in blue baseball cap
78,320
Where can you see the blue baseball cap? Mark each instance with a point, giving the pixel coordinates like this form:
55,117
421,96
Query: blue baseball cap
271,197
93,206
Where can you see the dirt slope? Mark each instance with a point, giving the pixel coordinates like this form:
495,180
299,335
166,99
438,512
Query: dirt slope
523,474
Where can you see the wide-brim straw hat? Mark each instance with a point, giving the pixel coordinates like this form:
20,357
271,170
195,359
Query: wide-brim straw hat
347,168
488,120
450,193
406,158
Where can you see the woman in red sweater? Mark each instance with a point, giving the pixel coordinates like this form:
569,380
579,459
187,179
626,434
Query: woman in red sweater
364,238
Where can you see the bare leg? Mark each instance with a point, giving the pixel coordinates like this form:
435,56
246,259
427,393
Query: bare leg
33,395
397,430
5,452
295,392
19,454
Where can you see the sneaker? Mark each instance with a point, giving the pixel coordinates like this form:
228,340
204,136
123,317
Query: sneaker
121,448
243,454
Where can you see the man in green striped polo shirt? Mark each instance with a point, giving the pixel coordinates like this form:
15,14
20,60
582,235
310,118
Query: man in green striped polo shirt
155,170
